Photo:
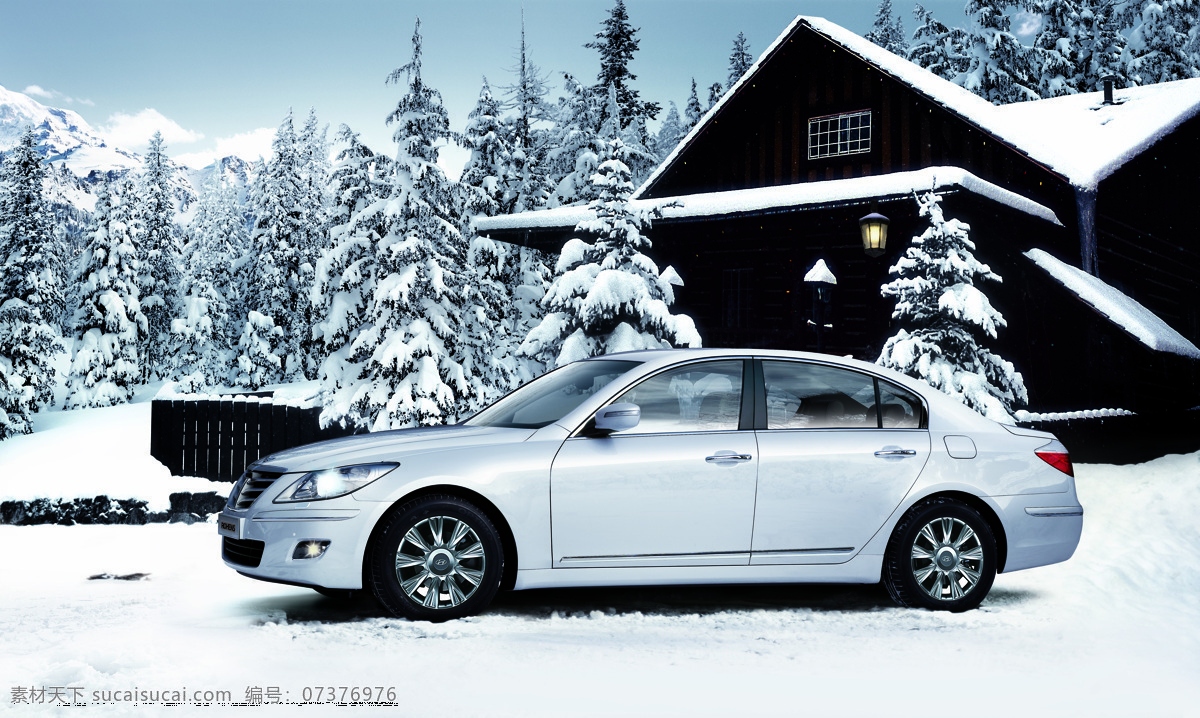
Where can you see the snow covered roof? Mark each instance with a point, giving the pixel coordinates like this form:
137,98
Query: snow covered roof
1077,137
1123,311
1085,140
801,194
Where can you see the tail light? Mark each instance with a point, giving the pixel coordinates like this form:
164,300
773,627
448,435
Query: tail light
1056,455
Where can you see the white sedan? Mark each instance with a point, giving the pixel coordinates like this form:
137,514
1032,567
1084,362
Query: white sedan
667,467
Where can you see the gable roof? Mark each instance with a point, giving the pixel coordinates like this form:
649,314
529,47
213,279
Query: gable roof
1077,137
781,197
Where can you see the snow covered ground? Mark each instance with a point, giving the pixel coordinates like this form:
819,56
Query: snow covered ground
87,452
1115,631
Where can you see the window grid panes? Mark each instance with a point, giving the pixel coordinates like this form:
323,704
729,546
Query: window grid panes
836,135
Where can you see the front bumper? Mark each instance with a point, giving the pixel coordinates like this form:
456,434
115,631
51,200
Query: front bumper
271,535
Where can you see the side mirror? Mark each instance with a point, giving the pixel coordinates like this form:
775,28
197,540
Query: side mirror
618,417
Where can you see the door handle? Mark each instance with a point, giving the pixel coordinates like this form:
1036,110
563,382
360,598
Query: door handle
896,452
728,458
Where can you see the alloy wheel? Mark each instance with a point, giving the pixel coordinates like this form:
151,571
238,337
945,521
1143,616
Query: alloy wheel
440,562
947,559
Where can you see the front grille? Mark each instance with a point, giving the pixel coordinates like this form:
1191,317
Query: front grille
243,552
253,484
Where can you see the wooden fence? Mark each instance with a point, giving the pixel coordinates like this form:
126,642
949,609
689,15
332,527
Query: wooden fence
217,438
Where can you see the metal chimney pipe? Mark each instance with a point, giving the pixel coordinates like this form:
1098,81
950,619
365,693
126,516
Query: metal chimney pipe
1108,81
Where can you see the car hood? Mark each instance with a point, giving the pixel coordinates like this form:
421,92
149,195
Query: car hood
387,446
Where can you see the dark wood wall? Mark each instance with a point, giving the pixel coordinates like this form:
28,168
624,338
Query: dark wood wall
1147,230
760,137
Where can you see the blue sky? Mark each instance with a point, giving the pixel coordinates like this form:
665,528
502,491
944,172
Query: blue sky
218,76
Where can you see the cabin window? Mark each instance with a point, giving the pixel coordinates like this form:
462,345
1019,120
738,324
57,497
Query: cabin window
848,133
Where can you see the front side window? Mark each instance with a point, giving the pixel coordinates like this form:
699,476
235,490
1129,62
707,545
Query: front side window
848,133
697,397
813,396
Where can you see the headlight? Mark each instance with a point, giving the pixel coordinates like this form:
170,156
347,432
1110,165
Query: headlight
330,483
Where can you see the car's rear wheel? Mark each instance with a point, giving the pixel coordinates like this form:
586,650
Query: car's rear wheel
941,556
435,559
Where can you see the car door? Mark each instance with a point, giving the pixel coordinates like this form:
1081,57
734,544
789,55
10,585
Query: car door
838,451
676,490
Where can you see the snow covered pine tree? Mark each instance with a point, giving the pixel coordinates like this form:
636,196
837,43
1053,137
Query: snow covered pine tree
409,375
30,290
608,297
945,314
158,259
104,370
888,30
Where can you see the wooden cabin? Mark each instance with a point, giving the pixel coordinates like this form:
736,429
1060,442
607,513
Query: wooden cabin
826,127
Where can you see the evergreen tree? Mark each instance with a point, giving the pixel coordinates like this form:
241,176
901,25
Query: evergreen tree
1079,43
574,156
670,133
608,296
205,333
31,295
938,48
345,271
944,315
526,184
487,349
692,111
275,285
888,30
219,237
30,255
408,374
1163,41
740,59
157,240
312,150
486,172
999,68
617,44
104,370
714,95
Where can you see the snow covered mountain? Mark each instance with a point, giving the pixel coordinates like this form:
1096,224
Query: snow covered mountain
80,157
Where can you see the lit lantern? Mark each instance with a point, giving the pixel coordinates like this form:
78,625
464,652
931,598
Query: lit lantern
874,233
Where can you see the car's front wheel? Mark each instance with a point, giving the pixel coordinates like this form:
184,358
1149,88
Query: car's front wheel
436,558
941,556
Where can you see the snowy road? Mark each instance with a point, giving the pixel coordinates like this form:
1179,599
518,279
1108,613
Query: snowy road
1115,631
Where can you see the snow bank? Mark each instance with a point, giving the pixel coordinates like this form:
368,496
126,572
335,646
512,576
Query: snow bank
1120,309
801,194
90,452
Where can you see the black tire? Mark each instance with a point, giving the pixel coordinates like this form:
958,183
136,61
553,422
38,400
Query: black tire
427,516
947,587
339,594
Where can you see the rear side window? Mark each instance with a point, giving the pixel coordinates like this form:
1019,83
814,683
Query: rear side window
900,408
696,397
813,396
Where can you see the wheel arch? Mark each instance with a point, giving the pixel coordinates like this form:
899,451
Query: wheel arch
988,513
507,540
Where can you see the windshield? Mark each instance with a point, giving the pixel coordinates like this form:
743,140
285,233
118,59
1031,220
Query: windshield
551,396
